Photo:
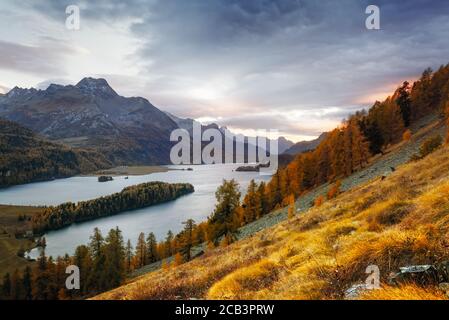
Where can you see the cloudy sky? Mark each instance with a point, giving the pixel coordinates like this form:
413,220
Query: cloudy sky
299,66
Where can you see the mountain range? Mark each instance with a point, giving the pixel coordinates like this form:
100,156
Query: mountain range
91,115
304,146
27,157
187,124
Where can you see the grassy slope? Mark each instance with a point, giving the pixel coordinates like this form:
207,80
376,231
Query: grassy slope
9,245
401,220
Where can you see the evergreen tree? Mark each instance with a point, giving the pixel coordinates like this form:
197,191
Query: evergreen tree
96,243
151,248
39,279
141,251
169,244
97,279
372,132
114,250
16,286
404,102
228,200
188,240
6,286
83,260
129,256
26,284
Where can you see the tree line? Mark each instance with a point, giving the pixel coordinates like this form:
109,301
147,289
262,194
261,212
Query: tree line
130,198
349,147
101,264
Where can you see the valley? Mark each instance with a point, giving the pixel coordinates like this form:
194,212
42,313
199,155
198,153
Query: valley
304,204
206,154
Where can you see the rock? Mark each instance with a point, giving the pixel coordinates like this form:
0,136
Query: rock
421,274
199,254
355,291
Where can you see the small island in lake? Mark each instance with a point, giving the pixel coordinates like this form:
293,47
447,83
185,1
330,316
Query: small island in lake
255,168
105,178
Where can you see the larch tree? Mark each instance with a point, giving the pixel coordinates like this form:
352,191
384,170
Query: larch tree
291,207
404,102
251,203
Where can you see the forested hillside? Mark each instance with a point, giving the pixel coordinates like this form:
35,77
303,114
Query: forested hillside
26,157
349,147
130,198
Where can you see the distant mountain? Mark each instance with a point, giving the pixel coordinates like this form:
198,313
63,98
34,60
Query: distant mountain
304,146
187,124
26,157
91,114
284,144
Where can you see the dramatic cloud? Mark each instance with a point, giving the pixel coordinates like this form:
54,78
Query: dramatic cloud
44,59
3,89
296,65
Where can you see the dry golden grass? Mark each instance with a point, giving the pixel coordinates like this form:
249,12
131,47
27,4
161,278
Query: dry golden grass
405,292
399,221
242,283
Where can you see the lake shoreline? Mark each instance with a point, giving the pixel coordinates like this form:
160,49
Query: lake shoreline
128,171
157,219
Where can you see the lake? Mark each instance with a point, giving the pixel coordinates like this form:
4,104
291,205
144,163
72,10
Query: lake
157,219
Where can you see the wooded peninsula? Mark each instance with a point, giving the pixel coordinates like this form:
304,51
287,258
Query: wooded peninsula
130,198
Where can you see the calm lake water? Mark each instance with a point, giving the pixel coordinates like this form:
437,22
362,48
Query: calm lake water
157,219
